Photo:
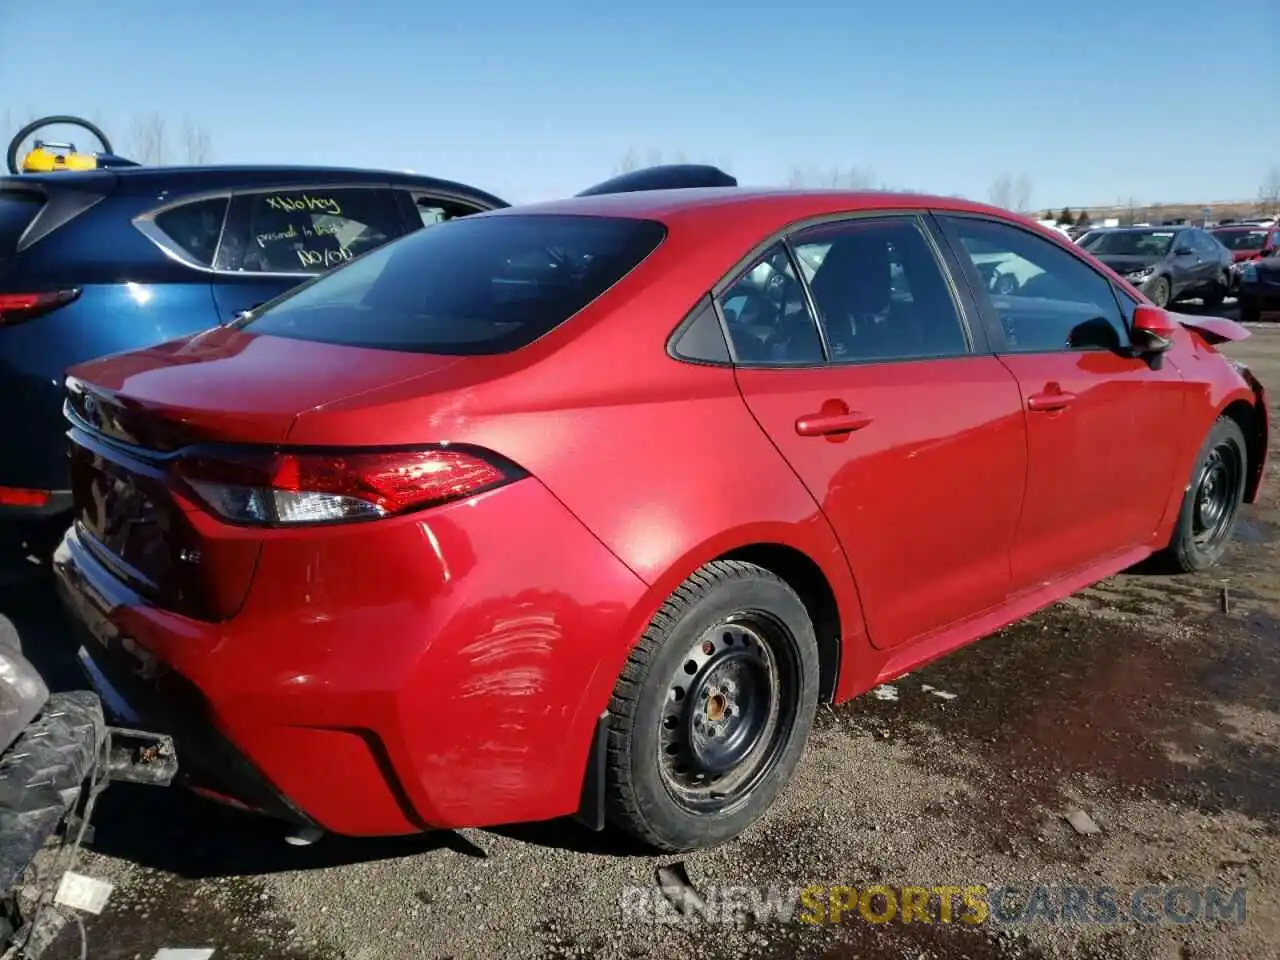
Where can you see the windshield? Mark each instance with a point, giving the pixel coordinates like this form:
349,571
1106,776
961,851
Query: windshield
1242,239
470,286
1130,243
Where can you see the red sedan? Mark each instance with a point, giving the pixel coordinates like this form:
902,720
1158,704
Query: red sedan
583,508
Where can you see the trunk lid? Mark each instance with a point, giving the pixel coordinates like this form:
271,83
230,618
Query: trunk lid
228,385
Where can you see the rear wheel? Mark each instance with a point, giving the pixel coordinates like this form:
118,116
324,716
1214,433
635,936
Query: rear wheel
1250,312
1212,501
1159,292
712,710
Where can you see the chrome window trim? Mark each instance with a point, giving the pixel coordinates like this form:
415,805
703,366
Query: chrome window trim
145,223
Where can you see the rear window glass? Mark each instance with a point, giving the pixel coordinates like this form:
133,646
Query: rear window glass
469,286
17,210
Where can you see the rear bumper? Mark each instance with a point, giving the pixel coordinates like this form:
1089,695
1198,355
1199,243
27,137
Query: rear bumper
142,694
439,670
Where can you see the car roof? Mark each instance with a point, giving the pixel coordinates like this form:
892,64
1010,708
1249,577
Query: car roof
764,208
131,180
1163,228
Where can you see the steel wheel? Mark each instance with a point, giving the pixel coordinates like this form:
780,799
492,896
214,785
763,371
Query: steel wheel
729,705
1216,499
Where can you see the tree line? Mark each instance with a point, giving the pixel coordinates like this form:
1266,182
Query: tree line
148,138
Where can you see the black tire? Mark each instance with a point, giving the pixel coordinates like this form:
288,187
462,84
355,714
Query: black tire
1212,500
1214,296
1160,291
1250,312
715,639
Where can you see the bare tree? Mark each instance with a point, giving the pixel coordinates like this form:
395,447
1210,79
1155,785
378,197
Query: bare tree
148,140
630,161
1022,193
1269,192
196,138
853,178
1000,193
1011,194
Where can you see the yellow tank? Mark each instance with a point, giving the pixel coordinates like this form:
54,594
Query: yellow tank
50,157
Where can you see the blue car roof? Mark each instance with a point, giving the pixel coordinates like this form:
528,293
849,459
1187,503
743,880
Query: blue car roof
134,180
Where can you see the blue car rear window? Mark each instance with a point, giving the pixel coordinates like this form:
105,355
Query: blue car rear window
477,285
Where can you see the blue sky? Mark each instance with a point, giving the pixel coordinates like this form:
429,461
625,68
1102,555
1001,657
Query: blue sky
1159,100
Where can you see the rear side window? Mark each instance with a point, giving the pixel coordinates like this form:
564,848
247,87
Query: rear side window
476,285
880,292
313,230
17,210
194,228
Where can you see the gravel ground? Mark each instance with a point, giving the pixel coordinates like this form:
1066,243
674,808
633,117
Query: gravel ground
1141,702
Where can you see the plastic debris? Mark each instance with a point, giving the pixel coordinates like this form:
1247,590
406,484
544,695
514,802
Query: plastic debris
1082,823
80,892
942,694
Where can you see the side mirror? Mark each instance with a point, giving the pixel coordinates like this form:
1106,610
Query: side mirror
1183,252
1152,329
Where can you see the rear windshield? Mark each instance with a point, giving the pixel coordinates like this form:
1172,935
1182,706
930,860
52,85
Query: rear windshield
1242,239
469,286
17,210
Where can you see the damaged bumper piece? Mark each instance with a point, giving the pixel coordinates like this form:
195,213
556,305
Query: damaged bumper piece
57,754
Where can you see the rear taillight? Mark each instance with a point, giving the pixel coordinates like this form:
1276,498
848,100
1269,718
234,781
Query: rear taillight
17,307
287,488
23,497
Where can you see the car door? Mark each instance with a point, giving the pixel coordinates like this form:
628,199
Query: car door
1209,266
1097,416
904,428
276,238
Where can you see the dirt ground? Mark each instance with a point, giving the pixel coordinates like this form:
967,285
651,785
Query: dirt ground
1142,702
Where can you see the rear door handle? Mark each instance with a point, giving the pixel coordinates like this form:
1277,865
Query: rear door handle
825,424
1050,400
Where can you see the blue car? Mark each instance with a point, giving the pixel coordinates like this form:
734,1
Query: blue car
104,261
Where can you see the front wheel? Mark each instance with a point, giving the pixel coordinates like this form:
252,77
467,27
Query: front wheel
712,710
1160,292
1212,501
1250,312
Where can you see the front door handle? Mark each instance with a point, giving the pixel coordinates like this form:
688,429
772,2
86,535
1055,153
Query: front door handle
828,422
1053,398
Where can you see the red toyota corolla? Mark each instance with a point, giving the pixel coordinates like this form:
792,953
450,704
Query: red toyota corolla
583,508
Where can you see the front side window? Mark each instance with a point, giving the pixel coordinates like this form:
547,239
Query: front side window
315,229
1062,304
880,292
477,285
767,315
432,211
